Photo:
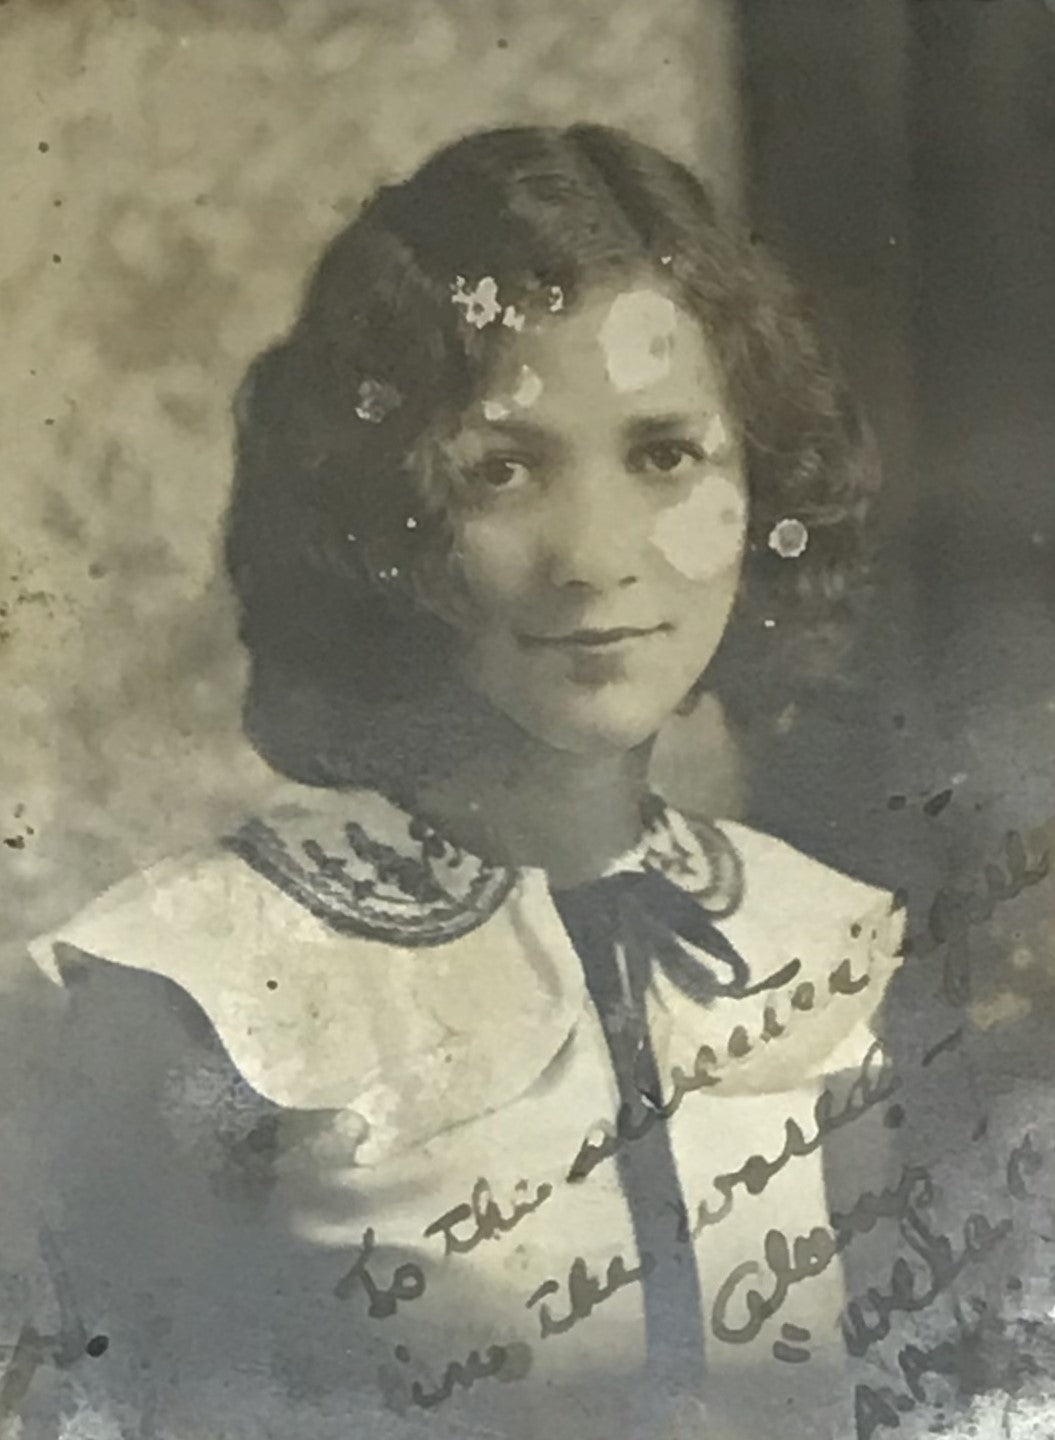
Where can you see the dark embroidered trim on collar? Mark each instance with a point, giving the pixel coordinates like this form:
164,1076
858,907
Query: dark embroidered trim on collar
694,853
372,889
404,883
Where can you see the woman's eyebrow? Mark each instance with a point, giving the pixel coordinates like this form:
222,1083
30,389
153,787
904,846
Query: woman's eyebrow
649,427
527,431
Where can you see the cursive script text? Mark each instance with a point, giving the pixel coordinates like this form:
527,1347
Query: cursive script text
654,1110
585,1292
408,1282
873,1084
487,1218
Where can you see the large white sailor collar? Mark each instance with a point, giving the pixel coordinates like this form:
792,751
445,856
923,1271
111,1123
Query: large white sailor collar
815,948
347,959
348,956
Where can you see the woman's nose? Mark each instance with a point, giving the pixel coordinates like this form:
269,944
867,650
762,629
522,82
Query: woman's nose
595,535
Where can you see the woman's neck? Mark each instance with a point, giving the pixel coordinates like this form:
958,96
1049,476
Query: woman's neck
530,805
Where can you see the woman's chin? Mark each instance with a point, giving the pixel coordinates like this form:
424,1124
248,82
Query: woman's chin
594,730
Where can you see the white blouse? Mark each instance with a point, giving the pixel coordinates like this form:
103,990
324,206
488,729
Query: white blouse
464,1175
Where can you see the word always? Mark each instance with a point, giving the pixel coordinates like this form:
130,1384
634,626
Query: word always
807,1256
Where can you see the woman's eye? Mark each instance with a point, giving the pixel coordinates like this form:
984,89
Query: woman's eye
666,457
502,472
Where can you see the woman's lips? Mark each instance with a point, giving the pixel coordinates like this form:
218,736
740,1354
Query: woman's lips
594,639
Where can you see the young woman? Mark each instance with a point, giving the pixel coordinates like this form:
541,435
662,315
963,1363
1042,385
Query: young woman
475,1088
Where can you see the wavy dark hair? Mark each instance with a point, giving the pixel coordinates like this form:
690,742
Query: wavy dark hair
329,520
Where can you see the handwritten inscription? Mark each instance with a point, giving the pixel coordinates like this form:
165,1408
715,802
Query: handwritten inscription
873,1084
955,910
487,1218
756,1291
807,1256
882,1407
980,1236
585,1292
503,1362
1025,1160
506,1362
408,1282
654,1110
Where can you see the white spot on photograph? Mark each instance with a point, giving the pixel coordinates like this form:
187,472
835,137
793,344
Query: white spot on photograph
376,400
637,337
702,534
529,388
480,304
789,538
715,437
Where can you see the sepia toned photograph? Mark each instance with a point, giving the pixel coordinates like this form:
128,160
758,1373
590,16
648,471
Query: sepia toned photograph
527,642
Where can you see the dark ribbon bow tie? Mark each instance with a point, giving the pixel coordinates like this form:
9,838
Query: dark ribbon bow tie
648,920
642,919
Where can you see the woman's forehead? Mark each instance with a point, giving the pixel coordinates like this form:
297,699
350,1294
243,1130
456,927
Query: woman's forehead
630,341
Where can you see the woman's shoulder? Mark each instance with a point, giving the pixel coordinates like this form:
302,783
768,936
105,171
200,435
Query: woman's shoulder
313,870
312,865
341,952
787,881
822,947
813,906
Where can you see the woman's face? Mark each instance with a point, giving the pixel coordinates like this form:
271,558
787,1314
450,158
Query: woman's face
599,519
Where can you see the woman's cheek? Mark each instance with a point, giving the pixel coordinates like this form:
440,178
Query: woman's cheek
496,562
702,535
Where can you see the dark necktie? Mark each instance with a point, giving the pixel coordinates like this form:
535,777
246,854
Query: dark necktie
643,920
